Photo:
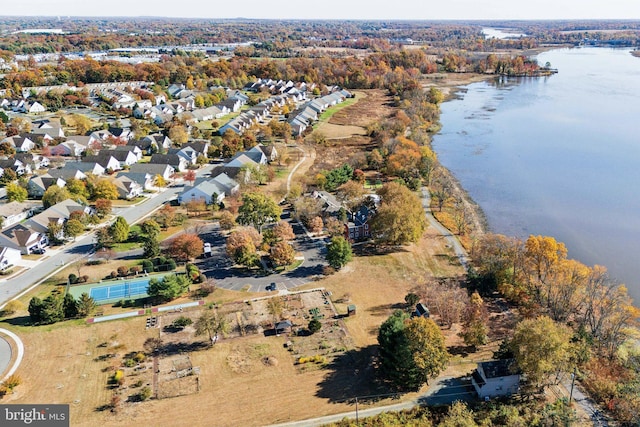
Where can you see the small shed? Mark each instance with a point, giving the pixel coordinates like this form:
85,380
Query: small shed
351,310
421,311
283,326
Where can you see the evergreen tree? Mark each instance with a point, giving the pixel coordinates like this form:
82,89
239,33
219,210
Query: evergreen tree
86,305
36,308
119,231
70,307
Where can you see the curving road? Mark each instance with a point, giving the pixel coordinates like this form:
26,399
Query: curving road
5,354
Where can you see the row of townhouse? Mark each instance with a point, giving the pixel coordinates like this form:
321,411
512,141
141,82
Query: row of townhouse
306,114
224,181
260,113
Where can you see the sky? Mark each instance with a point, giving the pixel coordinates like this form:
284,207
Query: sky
332,9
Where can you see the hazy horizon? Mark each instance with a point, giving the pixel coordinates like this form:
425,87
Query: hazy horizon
334,10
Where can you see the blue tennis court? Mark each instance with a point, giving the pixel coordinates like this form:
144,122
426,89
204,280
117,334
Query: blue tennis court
126,290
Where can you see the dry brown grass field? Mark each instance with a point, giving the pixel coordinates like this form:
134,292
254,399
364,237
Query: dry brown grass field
249,379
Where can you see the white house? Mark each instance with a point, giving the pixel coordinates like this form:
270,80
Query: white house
496,378
127,188
15,212
9,257
205,191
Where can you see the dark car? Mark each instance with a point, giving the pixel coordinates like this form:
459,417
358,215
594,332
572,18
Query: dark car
38,251
271,287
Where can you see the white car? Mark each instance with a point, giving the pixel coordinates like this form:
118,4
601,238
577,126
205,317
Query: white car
207,249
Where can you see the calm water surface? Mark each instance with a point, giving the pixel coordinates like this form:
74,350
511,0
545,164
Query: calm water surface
557,156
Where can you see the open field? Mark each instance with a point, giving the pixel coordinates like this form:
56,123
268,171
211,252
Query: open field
60,365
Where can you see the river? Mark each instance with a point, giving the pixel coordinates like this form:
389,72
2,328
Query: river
556,156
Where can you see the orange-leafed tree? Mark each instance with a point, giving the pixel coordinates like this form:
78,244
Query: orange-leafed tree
186,246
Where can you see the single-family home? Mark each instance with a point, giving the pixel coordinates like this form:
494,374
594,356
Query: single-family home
127,188
23,239
201,147
9,257
164,170
15,212
122,133
496,378
16,165
68,148
137,151
125,157
179,163
70,171
107,161
208,191
33,107
35,161
357,228
187,153
38,185
160,142
145,180
54,130
243,159
230,186
22,144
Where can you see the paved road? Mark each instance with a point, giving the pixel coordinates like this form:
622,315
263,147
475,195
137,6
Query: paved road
55,260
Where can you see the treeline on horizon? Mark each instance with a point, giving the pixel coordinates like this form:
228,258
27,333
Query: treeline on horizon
286,38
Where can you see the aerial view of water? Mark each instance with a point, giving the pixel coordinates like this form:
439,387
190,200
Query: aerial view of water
556,156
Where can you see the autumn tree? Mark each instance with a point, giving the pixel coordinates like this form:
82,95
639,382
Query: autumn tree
242,246
334,227
412,350
339,252
316,225
227,220
104,189
187,246
282,253
351,193
474,326
190,176
541,348
258,209
446,299
283,231
400,218
82,123
103,207
178,134
16,193
165,216
212,324
54,195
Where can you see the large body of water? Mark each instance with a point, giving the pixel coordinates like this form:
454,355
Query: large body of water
556,156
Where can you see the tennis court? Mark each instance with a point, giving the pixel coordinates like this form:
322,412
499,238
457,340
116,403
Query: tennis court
115,291
126,290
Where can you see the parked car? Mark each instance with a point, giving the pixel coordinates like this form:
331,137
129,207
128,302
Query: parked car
272,286
38,251
207,250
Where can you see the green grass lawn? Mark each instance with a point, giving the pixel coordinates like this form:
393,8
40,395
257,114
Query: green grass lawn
128,202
